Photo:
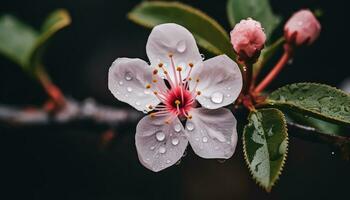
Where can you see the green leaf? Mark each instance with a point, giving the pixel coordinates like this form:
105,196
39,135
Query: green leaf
24,45
208,33
56,21
266,54
16,39
265,145
314,124
316,100
259,10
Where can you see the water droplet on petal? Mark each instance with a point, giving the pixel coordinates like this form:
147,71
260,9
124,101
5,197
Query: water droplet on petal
162,150
137,103
147,91
175,141
181,46
128,76
190,126
129,89
177,128
205,139
121,83
152,147
217,97
168,161
203,57
160,136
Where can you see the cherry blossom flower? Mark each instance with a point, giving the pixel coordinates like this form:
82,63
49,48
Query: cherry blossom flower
248,39
302,28
182,94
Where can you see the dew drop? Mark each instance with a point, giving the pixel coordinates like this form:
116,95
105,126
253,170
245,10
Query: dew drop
177,128
147,91
162,150
283,147
181,46
137,103
160,136
168,161
129,89
190,126
128,76
217,97
175,141
121,83
197,139
205,139
152,147
203,57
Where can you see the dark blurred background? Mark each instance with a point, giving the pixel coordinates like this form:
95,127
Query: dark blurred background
68,162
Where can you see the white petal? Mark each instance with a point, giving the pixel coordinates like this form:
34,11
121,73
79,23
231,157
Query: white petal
159,145
127,80
172,39
220,82
212,133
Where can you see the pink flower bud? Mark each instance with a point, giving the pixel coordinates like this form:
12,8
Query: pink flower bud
302,28
248,38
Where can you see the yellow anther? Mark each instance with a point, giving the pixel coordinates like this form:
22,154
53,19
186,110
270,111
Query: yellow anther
160,65
199,93
155,92
190,78
150,107
167,121
154,80
170,55
197,80
190,64
189,117
177,102
152,115
148,86
155,71
165,72
179,68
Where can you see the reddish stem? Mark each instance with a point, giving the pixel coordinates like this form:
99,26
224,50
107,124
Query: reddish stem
51,89
247,76
275,71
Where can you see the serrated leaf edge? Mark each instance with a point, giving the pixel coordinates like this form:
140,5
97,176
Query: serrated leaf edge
308,111
275,179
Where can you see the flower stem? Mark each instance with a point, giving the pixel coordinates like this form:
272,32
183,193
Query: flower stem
51,89
275,71
247,76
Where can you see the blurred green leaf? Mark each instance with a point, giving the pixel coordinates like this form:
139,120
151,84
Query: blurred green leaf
265,145
208,33
315,100
266,54
259,10
24,45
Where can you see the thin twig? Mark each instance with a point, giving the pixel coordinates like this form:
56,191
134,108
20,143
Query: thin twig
72,112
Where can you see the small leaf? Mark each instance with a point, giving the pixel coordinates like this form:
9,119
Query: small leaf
266,54
208,33
16,39
259,10
55,22
24,45
316,100
265,145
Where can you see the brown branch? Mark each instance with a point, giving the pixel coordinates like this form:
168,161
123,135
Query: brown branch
73,111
